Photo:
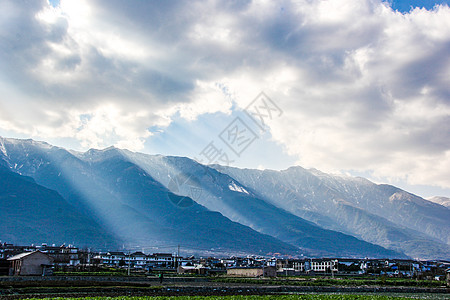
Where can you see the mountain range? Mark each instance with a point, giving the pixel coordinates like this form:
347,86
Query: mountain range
114,198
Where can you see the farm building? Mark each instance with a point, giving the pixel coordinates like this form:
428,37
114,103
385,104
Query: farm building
268,271
30,263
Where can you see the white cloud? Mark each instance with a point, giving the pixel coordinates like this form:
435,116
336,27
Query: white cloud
109,125
362,87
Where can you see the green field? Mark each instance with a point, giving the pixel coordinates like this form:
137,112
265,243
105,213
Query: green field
334,282
281,297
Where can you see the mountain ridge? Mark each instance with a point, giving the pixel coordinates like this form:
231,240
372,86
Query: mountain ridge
314,198
293,213
444,201
99,187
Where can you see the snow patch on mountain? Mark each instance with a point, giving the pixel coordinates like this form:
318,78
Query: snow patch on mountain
2,148
234,187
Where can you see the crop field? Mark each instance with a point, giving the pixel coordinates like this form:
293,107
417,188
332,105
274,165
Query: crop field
334,282
134,288
269,297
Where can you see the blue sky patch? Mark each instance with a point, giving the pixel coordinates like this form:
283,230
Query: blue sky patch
406,5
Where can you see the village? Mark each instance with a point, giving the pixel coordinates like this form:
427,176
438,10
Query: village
45,260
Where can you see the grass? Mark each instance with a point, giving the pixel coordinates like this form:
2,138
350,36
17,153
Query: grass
335,282
75,288
108,273
269,297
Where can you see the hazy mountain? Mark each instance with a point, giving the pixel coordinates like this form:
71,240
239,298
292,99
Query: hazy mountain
31,213
153,200
380,214
220,192
127,202
444,201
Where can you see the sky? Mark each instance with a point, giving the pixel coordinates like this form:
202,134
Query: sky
358,88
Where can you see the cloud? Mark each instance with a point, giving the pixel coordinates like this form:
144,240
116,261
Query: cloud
363,87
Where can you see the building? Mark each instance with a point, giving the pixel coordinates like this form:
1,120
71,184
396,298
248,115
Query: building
303,266
322,265
252,271
161,260
447,279
9,250
137,260
112,258
4,267
30,263
62,255
197,269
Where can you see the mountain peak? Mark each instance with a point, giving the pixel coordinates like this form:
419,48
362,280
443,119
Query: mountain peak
99,154
444,201
15,141
94,150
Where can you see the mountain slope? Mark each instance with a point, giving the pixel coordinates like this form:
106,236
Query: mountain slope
376,213
380,231
224,194
31,213
155,201
130,203
444,201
